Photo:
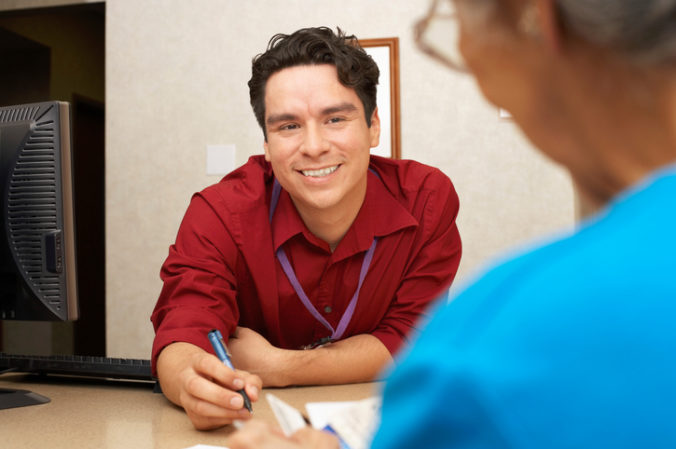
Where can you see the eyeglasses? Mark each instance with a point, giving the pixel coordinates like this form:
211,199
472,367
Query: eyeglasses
438,34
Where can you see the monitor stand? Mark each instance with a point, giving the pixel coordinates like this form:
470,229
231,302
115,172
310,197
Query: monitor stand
20,398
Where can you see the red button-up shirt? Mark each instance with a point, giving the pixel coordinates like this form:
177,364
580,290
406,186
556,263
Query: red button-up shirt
222,271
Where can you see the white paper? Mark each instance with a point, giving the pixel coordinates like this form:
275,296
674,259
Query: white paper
353,421
289,419
321,412
356,422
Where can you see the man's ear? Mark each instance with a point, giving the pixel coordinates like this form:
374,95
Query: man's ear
266,150
549,24
375,128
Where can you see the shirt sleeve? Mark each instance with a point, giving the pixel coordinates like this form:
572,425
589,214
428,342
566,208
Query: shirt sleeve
433,265
199,281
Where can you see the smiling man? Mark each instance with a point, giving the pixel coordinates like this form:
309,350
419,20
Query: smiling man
316,259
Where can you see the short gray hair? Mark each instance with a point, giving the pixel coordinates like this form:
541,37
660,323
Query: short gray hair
643,29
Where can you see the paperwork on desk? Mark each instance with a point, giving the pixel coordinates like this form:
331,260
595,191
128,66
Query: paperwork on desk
353,422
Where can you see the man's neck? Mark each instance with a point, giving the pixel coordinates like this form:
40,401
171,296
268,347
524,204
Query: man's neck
332,224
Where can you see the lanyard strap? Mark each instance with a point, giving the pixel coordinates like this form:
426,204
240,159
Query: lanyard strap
291,275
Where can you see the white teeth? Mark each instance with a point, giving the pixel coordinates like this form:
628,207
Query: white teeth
321,172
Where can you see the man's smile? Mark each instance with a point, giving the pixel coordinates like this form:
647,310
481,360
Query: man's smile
321,172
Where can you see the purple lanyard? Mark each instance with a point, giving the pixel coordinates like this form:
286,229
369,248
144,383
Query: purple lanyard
291,275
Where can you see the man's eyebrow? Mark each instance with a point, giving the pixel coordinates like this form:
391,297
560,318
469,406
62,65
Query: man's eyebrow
342,107
276,118
284,116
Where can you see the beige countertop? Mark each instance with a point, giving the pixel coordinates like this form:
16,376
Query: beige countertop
100,414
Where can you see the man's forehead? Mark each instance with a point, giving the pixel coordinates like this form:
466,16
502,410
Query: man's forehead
305,77
314,88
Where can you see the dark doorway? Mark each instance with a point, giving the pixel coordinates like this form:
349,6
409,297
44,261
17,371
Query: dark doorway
25,74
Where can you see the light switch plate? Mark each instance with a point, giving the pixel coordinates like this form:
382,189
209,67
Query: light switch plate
220,159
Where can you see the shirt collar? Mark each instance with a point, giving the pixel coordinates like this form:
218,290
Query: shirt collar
380,215
286,222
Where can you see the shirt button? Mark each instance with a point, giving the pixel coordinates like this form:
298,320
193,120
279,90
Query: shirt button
327,309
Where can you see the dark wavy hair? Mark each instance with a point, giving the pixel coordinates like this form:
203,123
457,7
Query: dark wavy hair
310,46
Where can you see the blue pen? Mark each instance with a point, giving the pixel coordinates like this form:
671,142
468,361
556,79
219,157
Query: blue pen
216,340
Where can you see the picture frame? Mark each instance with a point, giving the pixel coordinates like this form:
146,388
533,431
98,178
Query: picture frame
385,52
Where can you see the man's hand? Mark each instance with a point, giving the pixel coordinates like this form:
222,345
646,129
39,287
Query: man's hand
261,435
204,386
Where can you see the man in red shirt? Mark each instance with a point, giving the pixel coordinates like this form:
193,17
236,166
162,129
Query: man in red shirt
315,245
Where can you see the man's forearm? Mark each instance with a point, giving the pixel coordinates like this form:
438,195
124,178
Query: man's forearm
359,358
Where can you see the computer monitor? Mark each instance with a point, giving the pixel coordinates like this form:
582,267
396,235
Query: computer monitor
37,236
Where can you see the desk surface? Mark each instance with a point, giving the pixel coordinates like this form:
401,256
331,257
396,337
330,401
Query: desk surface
107,415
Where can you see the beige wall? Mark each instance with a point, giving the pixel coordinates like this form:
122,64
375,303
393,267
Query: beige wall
176,75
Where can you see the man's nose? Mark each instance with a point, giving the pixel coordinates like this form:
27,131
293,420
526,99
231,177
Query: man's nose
314,141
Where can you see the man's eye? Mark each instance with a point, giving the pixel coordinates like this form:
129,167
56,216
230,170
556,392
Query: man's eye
335,120
288,126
